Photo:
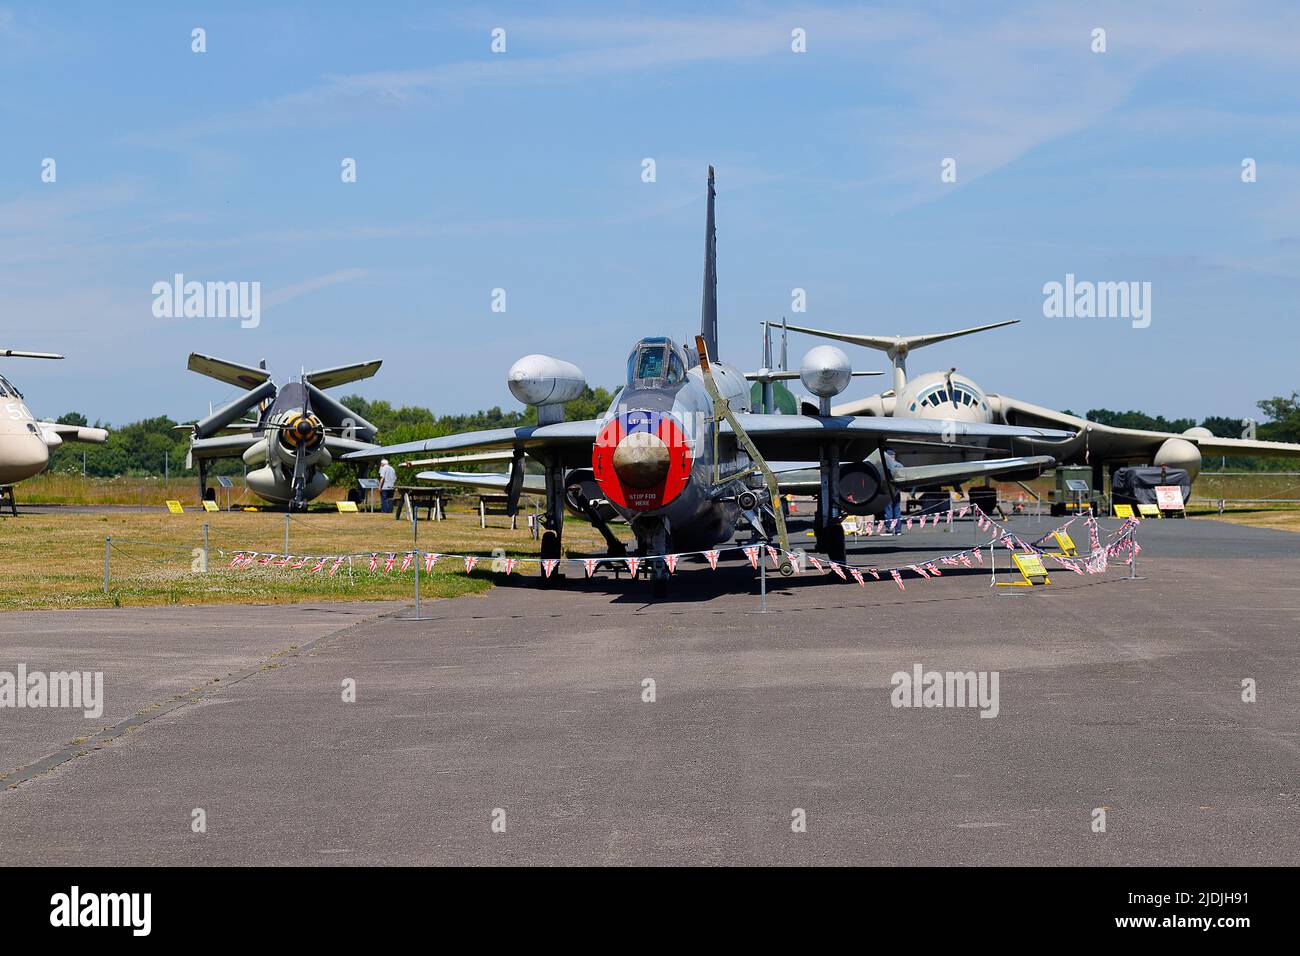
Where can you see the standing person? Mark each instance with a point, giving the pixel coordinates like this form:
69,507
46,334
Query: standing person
387,485
893,510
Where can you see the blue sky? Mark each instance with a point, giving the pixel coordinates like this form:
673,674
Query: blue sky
522,171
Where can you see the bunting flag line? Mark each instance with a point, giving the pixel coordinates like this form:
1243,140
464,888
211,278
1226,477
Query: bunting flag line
1119,544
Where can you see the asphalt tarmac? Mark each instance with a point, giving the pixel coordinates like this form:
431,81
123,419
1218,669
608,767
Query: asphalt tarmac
529,709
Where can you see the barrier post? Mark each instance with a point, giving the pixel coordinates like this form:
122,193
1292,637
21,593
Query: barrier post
205,547
108,543
286,535
762,585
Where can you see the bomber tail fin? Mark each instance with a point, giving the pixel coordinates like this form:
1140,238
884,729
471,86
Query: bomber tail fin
897,346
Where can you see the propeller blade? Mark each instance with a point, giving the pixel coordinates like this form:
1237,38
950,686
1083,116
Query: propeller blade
226,414
337,415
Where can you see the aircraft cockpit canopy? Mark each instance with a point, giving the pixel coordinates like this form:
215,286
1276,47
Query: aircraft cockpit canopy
7,390
656,363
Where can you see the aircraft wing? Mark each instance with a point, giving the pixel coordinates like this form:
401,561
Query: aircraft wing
340,446
948,473
232,373
564,436
342,374
1135,444
95,436
783,437
484,481
223,446
801,479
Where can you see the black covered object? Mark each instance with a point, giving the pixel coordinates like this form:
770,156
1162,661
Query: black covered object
1137,485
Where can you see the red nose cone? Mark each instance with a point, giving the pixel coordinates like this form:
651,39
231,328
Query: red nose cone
641,460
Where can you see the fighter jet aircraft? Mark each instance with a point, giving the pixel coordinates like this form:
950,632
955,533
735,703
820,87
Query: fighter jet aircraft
294,434
679,455
946,394
25,442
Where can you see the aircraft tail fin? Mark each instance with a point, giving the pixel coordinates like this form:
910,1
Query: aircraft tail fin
898,346
709,306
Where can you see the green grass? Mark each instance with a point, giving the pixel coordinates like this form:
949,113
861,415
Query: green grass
57,560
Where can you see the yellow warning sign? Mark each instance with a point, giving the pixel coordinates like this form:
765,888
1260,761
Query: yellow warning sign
1066,544
1031,571
347,507
175,507
210,505
1123,511
1149,511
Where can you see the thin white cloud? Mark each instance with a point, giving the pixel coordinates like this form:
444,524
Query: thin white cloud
296,291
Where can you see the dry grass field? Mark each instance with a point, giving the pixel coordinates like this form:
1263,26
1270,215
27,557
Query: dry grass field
56,560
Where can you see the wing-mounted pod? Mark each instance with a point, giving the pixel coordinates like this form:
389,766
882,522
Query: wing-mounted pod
825,371
546,383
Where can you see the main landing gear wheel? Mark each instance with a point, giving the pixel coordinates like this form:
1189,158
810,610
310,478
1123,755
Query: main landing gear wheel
659,578
830,541
550,549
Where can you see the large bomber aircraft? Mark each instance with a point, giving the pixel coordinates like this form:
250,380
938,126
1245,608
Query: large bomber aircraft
294,434
680,456
25,442
943,395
